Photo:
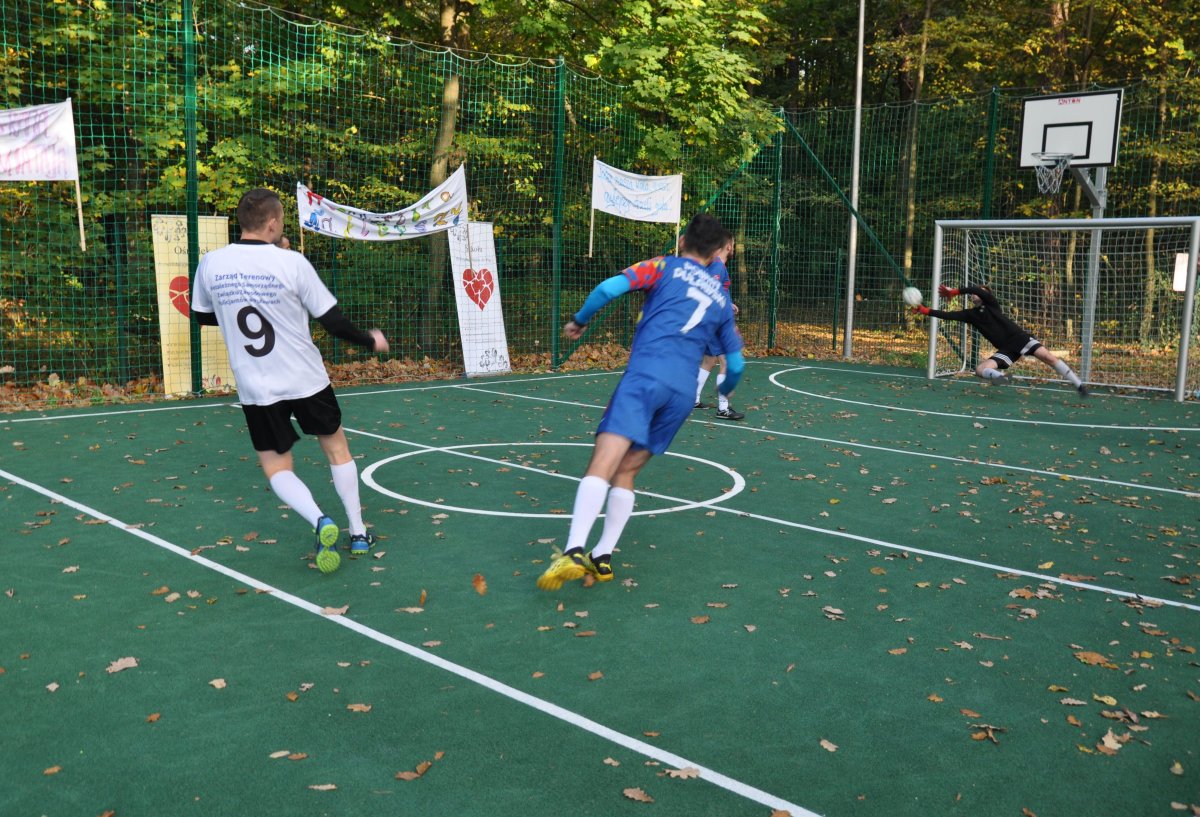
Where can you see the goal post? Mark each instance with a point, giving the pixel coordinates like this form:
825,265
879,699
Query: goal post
1115,297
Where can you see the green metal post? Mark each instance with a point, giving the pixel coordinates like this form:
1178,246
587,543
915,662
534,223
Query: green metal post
777,231
989,166
560,119
192,181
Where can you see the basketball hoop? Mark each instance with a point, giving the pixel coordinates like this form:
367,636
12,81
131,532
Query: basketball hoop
1050,171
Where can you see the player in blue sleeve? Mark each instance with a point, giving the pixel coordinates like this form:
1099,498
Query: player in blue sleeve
713,357
686,309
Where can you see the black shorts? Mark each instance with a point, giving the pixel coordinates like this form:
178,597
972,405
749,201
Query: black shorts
1015,350
271,426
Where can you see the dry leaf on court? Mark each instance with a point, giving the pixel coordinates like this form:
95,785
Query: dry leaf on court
71,569
611,762
335,611
1089,657
595,676
480,584
122,663
153,717
701,619
828,746
217,683
686,773
431,644
52,770
421,603
970,713
359,707
638,795
1176,768
323,787
279,754
410,609
297,756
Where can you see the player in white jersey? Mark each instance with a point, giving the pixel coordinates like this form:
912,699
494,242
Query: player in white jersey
263,296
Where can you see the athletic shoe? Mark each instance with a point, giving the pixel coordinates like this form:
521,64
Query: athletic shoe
328,559
730,414
565,568
1082,389
601,570
700,405
1003,379
360,543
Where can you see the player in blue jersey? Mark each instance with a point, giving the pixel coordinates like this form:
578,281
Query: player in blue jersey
713,356
686,308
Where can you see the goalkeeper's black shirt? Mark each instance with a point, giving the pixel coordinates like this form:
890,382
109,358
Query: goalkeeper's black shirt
992,323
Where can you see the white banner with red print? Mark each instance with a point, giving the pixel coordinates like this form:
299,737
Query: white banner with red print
477,293
442,208
174,306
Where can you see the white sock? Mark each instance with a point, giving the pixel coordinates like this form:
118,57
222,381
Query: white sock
1062,368
701,379
589,499
616,513
294,493
722,400
345,482
993,374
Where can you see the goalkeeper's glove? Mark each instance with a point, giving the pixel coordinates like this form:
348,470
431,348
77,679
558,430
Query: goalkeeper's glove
920,310
947,292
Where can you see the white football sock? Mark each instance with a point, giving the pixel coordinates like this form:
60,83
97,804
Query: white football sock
589,499
993,374
616,513
701,379
345,481
1062,368
722,400
294,493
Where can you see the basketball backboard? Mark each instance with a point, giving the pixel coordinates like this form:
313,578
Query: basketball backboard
1085,124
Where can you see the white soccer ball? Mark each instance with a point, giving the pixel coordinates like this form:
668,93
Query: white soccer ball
912,296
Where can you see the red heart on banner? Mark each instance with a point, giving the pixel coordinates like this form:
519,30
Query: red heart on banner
478,285
178,290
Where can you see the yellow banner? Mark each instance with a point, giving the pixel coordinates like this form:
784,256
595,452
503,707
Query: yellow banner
174,306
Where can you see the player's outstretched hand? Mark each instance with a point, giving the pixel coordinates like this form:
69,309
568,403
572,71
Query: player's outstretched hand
920,310
573,330
381,344
947,292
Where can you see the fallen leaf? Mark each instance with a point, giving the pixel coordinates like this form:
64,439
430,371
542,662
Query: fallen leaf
153,717
297,756
217,683
701,619
323,787
279,754
52,770
431,644
898,651
595,676
359,707
638,795
828,746
410,609
171,598
1107,700
937,699
122,663
421,603
1088,657
71,569
969,713
334,611
686,773
480,584
612,762
52,686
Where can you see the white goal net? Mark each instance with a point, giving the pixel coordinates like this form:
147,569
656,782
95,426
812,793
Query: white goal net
1115,298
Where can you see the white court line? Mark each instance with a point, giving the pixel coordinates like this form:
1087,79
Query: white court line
600,730
880,543
934,413
870,447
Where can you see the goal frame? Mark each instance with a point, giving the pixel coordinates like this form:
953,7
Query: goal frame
1096,226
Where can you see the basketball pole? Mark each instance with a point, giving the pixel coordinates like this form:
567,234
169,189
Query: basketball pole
852,247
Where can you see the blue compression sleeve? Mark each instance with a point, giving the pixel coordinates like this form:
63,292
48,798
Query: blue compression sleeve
604,292
735,364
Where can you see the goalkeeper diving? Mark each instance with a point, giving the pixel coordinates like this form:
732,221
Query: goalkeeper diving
1012,342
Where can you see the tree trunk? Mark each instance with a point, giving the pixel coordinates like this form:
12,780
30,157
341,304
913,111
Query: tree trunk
1149,294
434,341
910,222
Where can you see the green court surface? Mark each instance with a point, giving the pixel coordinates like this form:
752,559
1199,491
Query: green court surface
875,595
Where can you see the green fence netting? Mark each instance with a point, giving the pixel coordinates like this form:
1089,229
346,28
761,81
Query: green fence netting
181,106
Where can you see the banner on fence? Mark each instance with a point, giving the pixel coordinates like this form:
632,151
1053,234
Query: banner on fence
37,144
477,293
174,306
632,196
442,208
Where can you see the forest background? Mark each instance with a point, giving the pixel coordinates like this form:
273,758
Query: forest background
180,106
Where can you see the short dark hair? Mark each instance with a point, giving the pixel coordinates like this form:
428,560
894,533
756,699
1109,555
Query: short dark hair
256,208
705,234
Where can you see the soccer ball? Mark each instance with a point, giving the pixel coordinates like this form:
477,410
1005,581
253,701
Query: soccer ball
912,296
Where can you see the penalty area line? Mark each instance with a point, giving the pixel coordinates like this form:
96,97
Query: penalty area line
596,728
